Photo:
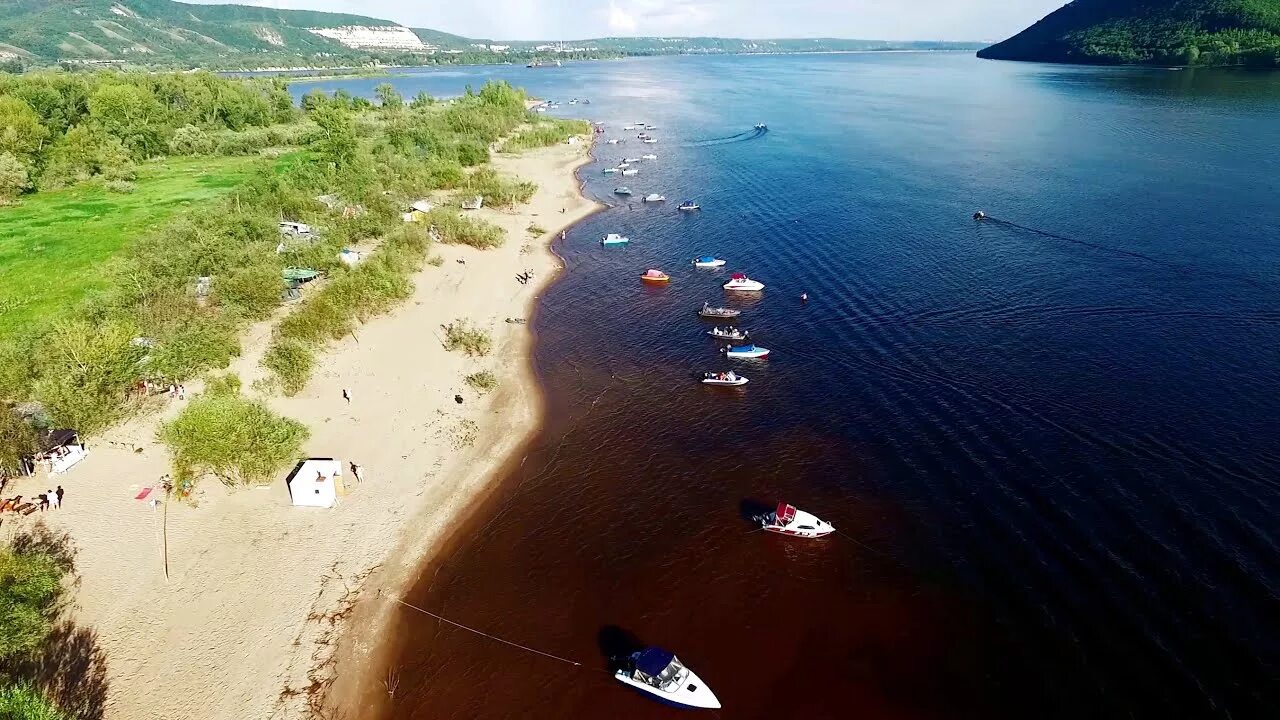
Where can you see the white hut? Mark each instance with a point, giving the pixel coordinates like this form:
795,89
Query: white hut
316,482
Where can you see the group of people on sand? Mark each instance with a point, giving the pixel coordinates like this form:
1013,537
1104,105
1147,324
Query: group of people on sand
51,499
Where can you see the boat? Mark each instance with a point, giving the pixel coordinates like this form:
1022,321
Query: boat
650,127
655,277
609,171
643,136
718,312
615,239
631,160
649,141
654,197
746,352
628,127
706,261
728,333
573,101
761,126
622,191
631,171
659,673
727,379
649,156
787,520
742,283
623,165
689,206
616,141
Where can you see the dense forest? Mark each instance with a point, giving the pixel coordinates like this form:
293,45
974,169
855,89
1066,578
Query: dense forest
1157,32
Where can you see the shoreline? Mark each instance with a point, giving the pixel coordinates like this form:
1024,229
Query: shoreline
365,644
265,604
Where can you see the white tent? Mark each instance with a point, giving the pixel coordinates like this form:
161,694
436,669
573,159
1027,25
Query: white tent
316,482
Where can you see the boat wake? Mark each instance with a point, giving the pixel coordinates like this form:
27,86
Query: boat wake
729,139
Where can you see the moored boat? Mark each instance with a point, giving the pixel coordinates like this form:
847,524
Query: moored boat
622,191
631,160
728,379
628,127
660,674
741,283
610,171
649,141
746,352
728,333
706,261
655,277
649,156
622,166
787,520
718,312
615,239
689,206
631,171
654,197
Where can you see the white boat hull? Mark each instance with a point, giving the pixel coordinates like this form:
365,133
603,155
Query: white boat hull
630,172
805,525
757,354
744,286
699,697
712,264
725,383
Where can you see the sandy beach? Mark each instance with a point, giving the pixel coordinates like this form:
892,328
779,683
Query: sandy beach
258,592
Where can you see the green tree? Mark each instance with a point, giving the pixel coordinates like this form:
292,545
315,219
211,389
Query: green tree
131,114
388,97
17,441
86,371
336,141
22,701
21,133
422,100
30,586
14,179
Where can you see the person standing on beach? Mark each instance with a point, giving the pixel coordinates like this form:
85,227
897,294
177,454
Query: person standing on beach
53,499
59,493
182,392
346,395
358,472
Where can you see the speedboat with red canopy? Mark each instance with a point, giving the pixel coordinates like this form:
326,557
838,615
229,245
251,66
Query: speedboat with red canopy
742,283
660,674
787,520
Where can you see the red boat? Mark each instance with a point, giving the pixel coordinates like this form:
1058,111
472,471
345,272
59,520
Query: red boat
787,520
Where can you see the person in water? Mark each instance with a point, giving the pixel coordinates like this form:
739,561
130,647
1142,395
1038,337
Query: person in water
804,297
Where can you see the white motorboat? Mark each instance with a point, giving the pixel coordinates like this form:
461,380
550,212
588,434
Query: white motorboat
631,171
761,126
706,261
649,156
610,171
643,136
623,165
689,206
628,127
649,141
787,520
742,283
746,352
622,190
724,379
654,197
728,333
631,160
615,239
616,141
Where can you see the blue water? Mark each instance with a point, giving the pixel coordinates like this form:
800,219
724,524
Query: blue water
1051,442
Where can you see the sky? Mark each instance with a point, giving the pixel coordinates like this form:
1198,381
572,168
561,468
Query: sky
576,19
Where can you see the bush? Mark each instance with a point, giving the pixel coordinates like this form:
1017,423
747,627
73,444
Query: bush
86,371
483,381
198,344
124,187
235,439
536,230
30,586
496,190
191,140
544,134
252,292
435,261
14,179
291,361
454,229
22,701
459,335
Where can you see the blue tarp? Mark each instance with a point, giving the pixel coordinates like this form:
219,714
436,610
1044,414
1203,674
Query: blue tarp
743,348
652,661
706,259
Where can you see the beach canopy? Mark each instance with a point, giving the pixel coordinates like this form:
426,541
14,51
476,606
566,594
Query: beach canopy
652,661
786,513
739,276
654,273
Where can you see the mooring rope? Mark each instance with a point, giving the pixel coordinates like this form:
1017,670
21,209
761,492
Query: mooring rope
491,637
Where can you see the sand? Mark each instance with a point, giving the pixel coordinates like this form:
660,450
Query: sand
258,591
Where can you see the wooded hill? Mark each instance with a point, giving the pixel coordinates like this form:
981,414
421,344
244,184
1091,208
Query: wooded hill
1156,32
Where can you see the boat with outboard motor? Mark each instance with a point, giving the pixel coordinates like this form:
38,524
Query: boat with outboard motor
631,171
628,127
655,277
728,333
648,156
787,520
654,197
622,190
746,352
631,160
615,239
724,379
706,261
761,126
689,206
741,283
610,171
622,165
718,312
649,141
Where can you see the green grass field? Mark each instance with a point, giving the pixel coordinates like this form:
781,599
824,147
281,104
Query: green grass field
53,245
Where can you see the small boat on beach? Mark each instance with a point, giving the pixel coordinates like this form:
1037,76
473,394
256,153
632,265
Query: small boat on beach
655,277
706,261
787,520
631,171
746,352
728,333
726,379
742,283
614,239
689,206
718,312
649,156
654,197
622,191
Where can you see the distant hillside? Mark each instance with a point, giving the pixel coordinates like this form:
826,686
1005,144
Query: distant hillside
1160,32
711,45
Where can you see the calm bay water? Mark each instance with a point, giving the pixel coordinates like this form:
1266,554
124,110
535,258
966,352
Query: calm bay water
1054,454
